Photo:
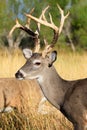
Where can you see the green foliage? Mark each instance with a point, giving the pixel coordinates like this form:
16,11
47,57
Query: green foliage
79,24
11,9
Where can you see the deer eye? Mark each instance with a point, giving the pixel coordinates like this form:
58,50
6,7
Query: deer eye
37,63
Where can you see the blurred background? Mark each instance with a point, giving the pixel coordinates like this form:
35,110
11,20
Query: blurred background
75,27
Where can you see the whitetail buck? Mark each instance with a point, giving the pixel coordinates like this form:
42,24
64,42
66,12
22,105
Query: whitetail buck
70,97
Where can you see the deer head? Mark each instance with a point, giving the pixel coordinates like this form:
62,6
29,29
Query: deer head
35,59
35,64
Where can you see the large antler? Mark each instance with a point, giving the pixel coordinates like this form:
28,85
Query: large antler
42,20
26,28
57,30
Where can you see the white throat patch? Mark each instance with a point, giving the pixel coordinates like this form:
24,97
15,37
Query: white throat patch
40,79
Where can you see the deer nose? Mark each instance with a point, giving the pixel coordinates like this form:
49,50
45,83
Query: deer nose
19,75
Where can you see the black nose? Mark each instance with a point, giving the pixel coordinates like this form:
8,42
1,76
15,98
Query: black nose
19,75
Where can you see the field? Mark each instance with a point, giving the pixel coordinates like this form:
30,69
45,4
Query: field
69,65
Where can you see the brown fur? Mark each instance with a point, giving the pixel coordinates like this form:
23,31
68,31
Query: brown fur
15,93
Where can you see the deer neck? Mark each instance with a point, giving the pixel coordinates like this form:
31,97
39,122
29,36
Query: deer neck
53,86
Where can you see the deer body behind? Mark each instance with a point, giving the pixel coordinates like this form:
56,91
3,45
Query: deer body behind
70,97
15,94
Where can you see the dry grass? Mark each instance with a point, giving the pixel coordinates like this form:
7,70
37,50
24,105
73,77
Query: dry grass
10,62
72,65
69,66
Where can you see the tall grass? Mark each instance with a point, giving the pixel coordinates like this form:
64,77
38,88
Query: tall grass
72,65
10,62
69,66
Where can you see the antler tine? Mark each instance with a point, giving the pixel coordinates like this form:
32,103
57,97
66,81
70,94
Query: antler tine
62,18
17,25
37,41
28,19
51,20
42,16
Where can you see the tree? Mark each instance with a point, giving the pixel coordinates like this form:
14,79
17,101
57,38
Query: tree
79,23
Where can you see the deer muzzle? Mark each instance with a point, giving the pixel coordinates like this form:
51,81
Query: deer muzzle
19,75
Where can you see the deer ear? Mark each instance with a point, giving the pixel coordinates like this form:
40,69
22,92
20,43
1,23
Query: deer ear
27,53
52,58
